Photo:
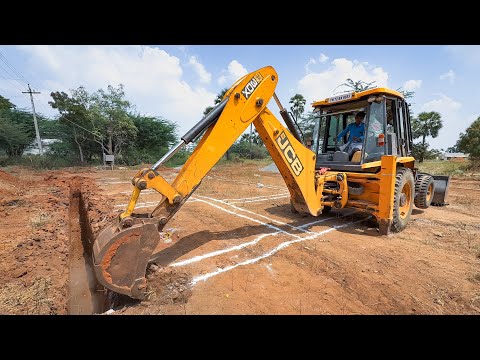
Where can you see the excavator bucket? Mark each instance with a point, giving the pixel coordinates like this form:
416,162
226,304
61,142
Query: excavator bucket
442,184
121,257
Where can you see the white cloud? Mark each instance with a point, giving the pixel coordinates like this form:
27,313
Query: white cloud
449,75
470,54
453,121
320,85
323,58
203,74
311,61
234,71
152,77
411,85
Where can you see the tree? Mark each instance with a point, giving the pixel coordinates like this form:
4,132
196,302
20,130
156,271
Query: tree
110,110
307,124
5,103
406,94
357,86
16,130
75,119
426,124
298,105
469,142
217,101
453,149
157,135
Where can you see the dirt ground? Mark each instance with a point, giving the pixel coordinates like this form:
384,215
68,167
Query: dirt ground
236,248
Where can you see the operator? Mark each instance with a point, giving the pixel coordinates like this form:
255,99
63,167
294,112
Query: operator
356,132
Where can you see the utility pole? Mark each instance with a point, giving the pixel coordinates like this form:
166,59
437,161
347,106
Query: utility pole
39,141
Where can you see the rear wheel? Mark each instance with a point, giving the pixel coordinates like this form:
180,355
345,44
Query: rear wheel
424,189
403,199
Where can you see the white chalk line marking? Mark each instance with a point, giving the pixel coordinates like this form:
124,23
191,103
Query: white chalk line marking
276,249
150,203
249,218
148,191
259,200
243,182
223,251
251,212
255,197
241,246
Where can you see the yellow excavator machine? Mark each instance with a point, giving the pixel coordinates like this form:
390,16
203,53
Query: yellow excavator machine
379,177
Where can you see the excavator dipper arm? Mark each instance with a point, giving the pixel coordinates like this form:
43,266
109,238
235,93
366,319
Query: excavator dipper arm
122,250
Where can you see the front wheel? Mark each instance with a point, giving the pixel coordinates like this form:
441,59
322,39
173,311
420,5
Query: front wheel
403,199
326,210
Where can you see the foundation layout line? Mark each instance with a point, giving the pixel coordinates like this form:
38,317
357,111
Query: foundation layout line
276,249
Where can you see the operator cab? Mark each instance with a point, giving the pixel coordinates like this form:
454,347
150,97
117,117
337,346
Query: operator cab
387,129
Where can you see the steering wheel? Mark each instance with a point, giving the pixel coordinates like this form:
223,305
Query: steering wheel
337,146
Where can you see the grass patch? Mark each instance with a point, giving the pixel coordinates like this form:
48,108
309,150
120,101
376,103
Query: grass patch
444,167
39,221
16,298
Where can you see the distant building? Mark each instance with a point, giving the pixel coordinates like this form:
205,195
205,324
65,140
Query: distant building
33,148
454,156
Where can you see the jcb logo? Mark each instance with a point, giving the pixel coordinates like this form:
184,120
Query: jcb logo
289,153
252,85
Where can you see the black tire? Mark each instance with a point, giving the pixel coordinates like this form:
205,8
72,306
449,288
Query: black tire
403,199
355,188
295,211
424,190
292,208
326,210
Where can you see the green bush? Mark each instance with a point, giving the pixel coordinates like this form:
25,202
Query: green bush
242,150
45,162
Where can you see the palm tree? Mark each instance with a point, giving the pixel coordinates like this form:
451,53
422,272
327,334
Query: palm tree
298,105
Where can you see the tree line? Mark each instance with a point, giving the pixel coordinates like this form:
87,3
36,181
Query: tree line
88,125
104,121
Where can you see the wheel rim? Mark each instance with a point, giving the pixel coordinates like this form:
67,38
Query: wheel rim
406,200
429,192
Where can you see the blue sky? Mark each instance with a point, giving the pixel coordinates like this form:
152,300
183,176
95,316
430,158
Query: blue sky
179,81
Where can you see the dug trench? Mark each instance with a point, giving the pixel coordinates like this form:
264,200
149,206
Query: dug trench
85,295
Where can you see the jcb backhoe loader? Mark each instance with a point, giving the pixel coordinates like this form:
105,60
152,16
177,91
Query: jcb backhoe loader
379,178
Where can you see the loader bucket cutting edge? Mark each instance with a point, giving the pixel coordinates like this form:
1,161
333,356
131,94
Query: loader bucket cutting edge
120,258
442,184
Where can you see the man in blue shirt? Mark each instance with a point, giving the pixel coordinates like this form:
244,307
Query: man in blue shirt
356,132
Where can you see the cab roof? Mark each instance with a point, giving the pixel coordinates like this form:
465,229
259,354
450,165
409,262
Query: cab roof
353,96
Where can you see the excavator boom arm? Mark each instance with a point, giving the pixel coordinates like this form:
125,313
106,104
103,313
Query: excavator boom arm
122,251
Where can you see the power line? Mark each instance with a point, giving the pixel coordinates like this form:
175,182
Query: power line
13,71
15,86
11,76
4,59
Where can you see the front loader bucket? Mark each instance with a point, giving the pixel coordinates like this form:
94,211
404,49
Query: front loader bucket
442,184
120,257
